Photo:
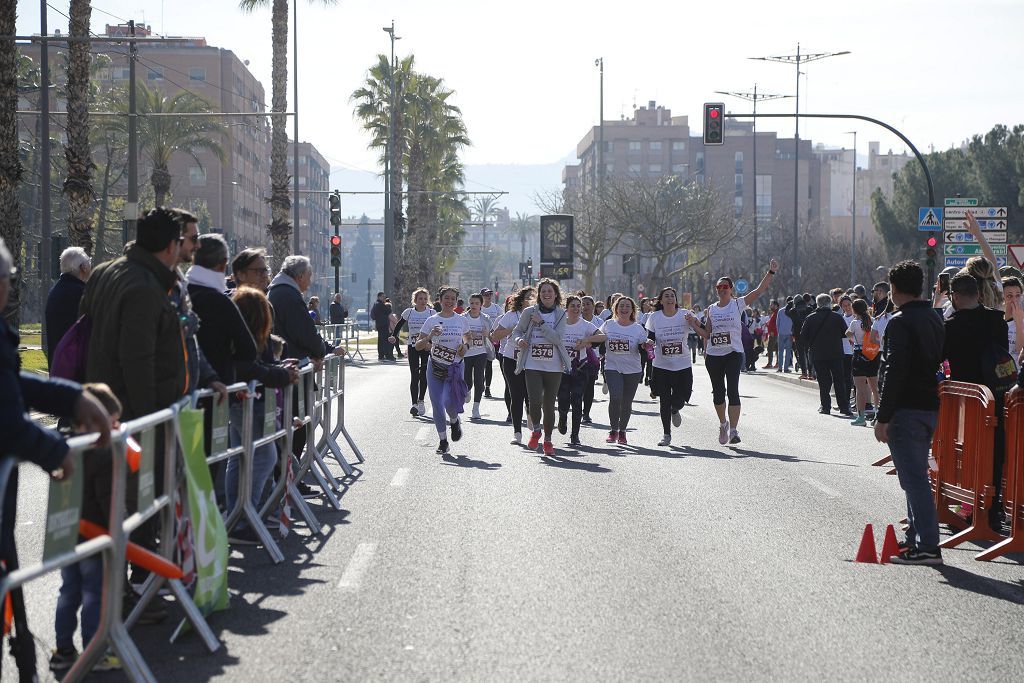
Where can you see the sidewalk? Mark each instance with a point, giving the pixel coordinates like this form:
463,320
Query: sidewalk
788,377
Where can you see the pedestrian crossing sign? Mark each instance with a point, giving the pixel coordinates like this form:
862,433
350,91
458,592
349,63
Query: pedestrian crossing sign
929,218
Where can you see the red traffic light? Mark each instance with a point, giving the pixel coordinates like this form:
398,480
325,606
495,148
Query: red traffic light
713,113
933,242
335,241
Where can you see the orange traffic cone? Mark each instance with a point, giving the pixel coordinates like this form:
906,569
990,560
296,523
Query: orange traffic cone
866,552
890,546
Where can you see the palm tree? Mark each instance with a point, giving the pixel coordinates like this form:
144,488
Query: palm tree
280,228
523,227
78,187
10,163
161,136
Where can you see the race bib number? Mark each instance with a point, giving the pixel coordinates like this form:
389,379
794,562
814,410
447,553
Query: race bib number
721,339
442,354
542,351
672,349
574,354
478,339
618,346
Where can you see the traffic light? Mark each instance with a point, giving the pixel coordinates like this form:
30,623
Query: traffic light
929,250
714,119
335,251
335,201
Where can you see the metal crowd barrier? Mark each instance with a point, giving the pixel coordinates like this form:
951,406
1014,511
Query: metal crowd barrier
344,334
320,409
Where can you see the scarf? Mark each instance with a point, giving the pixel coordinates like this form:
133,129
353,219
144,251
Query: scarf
204,277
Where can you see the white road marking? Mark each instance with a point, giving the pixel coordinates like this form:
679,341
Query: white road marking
424,432
357,566
828,491
401,476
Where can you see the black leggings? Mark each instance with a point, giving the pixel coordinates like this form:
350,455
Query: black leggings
516,385
725,370
590,376
418,370
570,397
473,373
488,372
674,388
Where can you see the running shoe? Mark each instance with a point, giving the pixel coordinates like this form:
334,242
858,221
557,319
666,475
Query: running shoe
723,433
613,436
517,437
244,536
604,387
859,421
442,448
549,448
534,440
487,392
476,411
63,659
677,419
508,419
109,662
574,440
456,430
734,436
916,556
622,438
563,423
666,440
421,408
586,420
414,411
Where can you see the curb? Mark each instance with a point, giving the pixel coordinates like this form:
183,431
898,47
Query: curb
789,378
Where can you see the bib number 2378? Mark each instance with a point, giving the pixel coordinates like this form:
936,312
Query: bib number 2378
542,351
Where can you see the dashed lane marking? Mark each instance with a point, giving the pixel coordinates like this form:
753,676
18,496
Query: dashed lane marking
424,433
827,490
401,476
357,566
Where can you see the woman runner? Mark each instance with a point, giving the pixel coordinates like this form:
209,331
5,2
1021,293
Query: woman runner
622,375
579,334
445,336
476,357
723,354
515,385
865,370
493,311
413,318
669,326
588,312
542,358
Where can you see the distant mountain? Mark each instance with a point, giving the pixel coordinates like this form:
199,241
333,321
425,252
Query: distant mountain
521,181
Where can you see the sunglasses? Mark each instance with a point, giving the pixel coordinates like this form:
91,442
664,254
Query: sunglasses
723,286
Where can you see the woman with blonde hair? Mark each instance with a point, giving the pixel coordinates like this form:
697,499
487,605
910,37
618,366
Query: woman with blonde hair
990,288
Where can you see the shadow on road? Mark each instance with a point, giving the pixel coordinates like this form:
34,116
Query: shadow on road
965,580
562,463
463,461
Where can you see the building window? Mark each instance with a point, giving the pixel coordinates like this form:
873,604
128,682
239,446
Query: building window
120,73
196,176
739,162
197,73
634,169
155,74
609,169
739,184
634,146
680,169
700,163
678,146
763,191
655,146
654,168
737,206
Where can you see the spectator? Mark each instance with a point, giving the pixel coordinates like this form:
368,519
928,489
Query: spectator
771,337
381,317
797,311
250,268
314,310
336,311
65,296
291,318
973,333
880,298
908,410
990,287
823,334
784,326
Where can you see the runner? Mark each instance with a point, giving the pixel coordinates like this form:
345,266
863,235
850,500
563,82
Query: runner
493,311
669,327
413,318
646,308
588,312
445,336
723,355
865,369
622,375
542,358
477,356
515,385
578,337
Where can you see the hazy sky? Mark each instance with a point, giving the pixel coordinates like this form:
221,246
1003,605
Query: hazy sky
939,70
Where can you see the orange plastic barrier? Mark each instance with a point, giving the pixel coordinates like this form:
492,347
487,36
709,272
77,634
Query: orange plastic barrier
962,448
1013,492
135,553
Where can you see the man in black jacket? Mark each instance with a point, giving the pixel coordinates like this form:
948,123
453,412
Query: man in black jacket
65,296
797,311
909,406
336,311
973,332
822,336
381,316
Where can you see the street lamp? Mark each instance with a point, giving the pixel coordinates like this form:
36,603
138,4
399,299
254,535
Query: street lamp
853,212
754,97
797,59
599,63
389,218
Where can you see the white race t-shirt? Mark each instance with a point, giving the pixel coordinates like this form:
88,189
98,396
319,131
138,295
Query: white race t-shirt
494,311
605,314
670,350
445,346
479,327
414,320
857,330
543,355
509,322
847,346
573,333
622,350
726,328
881,322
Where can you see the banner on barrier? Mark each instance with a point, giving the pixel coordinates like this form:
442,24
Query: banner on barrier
211,538
62,512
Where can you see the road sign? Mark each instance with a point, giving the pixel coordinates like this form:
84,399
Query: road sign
556,239
966,237
960,201
1017,252
929,218
961,261
972,249
983,223
741,287
977,211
